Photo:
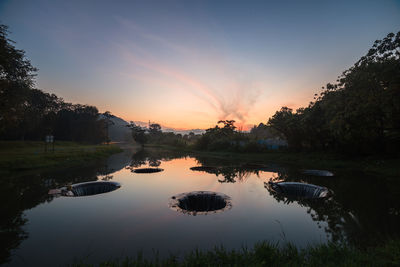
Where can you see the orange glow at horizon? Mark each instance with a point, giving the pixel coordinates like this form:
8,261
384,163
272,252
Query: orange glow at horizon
184,85
197,121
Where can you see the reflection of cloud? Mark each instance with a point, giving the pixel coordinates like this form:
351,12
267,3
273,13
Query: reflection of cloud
221,90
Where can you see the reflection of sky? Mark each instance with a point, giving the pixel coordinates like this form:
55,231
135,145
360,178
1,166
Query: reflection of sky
187,64
137,216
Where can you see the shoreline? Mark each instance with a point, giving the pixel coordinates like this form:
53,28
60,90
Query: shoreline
377,165
24,156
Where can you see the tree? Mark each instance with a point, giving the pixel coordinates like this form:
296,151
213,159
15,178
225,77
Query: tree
14,66
138,133
155,129
29,113
155,134
263,131
289,124
221,138
16,79
108,122
228,125
80,123
359,114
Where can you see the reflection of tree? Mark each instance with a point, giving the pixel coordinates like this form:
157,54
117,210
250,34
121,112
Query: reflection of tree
12,219
106,177
231,170
320,210
228,173
154,162
358,212
20,193
11,234
135,163
116,162
231,174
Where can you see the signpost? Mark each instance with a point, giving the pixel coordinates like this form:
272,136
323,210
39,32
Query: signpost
49,139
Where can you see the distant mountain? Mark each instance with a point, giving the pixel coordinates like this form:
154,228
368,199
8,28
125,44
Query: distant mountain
118,132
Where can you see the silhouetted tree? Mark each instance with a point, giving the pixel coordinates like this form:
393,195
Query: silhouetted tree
108,122
138,133
359,114
222,138
155,129
29,113
16,79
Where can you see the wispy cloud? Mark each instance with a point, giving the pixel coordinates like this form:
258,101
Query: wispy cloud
228,96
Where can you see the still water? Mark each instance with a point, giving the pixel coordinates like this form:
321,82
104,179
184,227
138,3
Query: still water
38,229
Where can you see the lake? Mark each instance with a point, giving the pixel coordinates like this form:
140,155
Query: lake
44,230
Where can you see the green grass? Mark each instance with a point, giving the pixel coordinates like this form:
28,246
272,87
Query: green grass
28,155
266,254
378,165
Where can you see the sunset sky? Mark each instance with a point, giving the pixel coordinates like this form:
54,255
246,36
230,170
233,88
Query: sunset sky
187,64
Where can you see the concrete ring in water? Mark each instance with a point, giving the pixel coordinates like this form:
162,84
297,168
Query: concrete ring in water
200,202
203,168
90,188
296,190
147,170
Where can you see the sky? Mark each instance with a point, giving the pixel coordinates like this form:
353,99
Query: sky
188,64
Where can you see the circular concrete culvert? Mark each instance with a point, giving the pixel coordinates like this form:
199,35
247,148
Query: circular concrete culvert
295,190
147,170
200,202
89,188
203,168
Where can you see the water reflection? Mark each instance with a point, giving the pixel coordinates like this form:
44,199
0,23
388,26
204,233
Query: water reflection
23,192
153,157
363,210
12,204
359,210
233,170
230,174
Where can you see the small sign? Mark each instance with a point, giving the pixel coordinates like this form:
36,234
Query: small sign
49,138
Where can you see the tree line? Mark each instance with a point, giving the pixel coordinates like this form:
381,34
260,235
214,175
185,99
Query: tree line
28,113
359,114
154,135
224,136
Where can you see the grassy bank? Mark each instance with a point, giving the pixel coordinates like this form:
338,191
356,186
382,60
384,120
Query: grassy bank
378,165
265,254
19,155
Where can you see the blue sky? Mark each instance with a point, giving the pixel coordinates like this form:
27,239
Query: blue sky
187,64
